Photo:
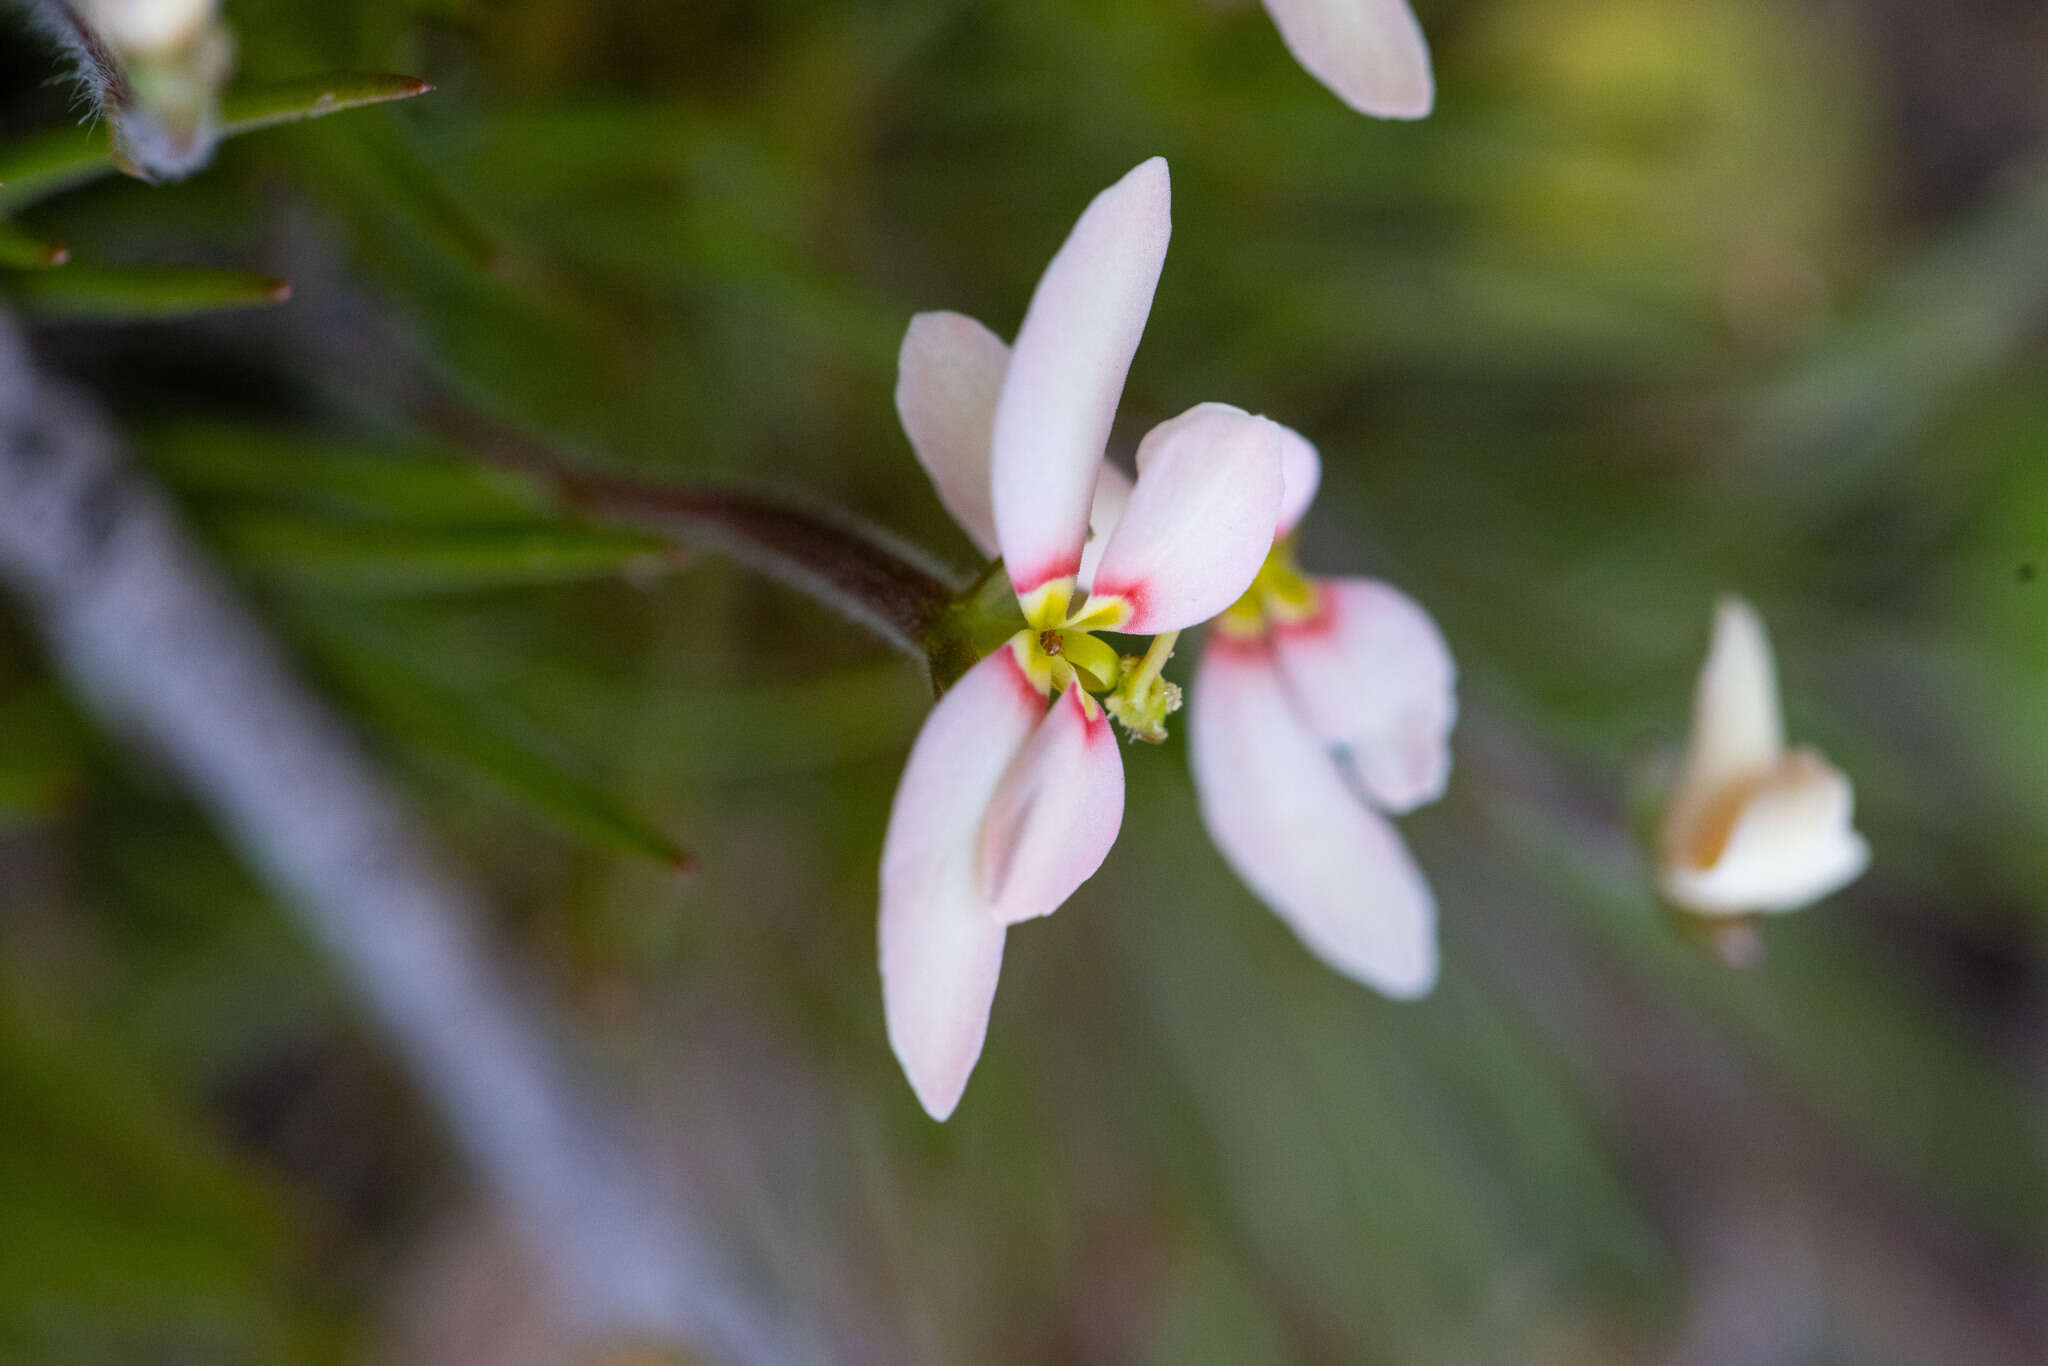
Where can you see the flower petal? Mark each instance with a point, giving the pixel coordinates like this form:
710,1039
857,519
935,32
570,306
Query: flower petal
1301,472
1276,804
948,376
1301,469
1198,526
1112,496
941,947
1067,371
1370,53
1056,812
1779,842
1737,729
1371,674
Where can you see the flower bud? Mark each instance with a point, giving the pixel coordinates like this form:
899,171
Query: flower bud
1752,827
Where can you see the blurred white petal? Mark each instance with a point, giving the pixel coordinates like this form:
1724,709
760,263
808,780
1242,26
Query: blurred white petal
139,26
1066,374
1778,843
948,376
1276,805
1370,53
1750,827
1737,729
1370,672
1301,472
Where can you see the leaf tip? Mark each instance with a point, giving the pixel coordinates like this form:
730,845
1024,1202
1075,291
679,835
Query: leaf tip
276,291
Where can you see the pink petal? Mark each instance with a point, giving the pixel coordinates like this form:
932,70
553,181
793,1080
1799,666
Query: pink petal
1370,673
1112,496
1275,803
1370,53
1056,812
941,945
948,376
1301,469
1198,526
1067,371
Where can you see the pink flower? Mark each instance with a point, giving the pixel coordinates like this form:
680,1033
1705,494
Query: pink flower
1370,53
1319,706
1014,790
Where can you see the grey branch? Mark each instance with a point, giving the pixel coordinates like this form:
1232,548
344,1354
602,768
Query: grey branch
153,641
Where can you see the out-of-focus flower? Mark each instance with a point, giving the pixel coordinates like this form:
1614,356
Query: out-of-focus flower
1319,705
1370,53
149,26
1752,826
155,68
1014,789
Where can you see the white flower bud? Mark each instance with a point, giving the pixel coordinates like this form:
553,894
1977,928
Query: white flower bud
134,27
1751,826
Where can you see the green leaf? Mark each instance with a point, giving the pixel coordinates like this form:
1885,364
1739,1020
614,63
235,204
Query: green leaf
48,163
125,1217
379,162
246,111
308,553
119,294
20,250
41,755
219,460
420,712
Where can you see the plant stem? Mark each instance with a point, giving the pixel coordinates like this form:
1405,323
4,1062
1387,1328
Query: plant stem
887,587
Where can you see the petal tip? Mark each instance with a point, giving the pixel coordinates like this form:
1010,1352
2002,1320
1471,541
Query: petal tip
939,1098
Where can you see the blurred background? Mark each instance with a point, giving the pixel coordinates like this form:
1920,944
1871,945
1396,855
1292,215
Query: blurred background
1669,298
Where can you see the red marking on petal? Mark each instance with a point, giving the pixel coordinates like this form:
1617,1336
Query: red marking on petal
1026,689
1236,643
1320,622
1134,599
1030,582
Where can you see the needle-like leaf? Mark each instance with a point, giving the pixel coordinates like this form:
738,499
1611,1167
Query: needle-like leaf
37,167
21,250
125,294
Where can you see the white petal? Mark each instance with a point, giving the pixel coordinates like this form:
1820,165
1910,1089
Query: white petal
1370,53
948,376
1777,843
1737,729
148,26
1198,525
1112,496
941,947
1067,371
1301,471
1275,803
1056,812
1371,674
